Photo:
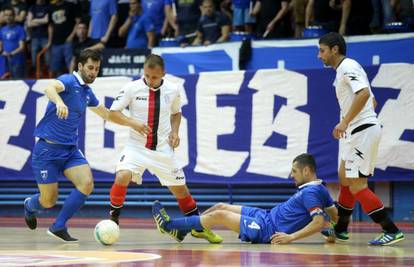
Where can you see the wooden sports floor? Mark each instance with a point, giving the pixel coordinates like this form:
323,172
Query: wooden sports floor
141,244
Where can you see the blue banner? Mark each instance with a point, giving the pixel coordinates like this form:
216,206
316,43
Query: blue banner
237,127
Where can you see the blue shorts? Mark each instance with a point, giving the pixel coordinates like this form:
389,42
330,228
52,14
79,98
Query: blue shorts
241,16
50,160
255,225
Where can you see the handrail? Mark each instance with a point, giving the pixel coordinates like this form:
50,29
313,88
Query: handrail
38,61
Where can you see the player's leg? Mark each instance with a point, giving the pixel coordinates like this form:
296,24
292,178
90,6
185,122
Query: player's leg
81,177
118,193
189,207
346,203
224,206
360,169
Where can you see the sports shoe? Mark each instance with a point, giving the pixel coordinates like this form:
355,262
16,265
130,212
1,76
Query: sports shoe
385,239
114,213
208,235
29,217
161,218
330,233
62,235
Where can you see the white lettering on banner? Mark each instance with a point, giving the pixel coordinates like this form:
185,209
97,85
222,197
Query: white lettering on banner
213,121
182,151
392,151
275,161
41,102
104,158
13,93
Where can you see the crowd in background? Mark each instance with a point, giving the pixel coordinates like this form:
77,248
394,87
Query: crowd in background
62,28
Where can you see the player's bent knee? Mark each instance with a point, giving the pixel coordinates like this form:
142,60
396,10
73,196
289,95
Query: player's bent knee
48,202
123,178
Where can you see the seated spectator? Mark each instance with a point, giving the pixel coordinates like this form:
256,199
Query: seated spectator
12,44
37,21
82,42
213,26
138,27
274,20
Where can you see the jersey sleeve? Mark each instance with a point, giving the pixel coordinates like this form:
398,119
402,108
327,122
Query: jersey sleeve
93,101
176,103
122,100
313,202
355,78
65,80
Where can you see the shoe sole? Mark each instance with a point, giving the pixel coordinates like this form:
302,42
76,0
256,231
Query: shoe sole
27,224
60,239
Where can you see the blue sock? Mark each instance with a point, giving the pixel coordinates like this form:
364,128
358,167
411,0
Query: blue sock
33,205
185,223
72,204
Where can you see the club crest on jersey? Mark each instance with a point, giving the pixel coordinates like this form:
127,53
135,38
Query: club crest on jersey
43,174
316,211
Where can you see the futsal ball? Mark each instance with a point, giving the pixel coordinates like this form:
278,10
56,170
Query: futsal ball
106,232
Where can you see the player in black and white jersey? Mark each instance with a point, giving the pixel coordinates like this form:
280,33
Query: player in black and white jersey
155,109
359,133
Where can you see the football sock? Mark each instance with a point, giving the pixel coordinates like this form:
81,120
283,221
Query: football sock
72,204
33,205
185,223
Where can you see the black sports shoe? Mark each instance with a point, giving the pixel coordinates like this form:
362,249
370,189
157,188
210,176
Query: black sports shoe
62,235
29,217
114,213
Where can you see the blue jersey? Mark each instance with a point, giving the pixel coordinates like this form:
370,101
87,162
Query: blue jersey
101,12
297,212
137,35
77,96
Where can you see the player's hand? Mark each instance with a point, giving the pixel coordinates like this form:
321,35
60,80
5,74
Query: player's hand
281,238
62,111
339,130
174,140
141,128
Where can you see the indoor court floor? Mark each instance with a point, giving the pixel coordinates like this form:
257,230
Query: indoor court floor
141,244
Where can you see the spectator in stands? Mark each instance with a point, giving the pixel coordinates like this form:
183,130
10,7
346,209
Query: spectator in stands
356,16
37,23
138,27
242,19
187,16
382,15
213,26
320,13
273,20
63,19
299,11
161,15
302,215
82,42
12,44
20,10
103,20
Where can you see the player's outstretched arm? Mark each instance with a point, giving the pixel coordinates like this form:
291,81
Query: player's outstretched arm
315,226
52,92
118,117
101,111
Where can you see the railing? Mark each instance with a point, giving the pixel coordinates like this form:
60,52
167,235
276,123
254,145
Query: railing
39,67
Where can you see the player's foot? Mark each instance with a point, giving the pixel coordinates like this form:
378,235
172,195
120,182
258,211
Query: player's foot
29,217
161,218
386,239
114,213
62,235
330,234
208,235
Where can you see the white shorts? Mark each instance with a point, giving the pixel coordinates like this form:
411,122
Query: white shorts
162,164
359,151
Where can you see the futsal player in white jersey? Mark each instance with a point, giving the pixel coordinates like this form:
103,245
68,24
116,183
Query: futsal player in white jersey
359,133
155,109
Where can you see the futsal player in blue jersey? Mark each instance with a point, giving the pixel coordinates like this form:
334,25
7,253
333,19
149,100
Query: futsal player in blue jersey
300,216
56,150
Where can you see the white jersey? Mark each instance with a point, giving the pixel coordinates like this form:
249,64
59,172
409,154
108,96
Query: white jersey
350,78
150,106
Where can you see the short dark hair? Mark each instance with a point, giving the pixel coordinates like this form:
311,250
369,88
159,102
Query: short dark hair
333,38
306,160
10,8
89,53
153,61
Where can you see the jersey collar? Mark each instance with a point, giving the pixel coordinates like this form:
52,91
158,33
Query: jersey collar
79,78
316,182
154,89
